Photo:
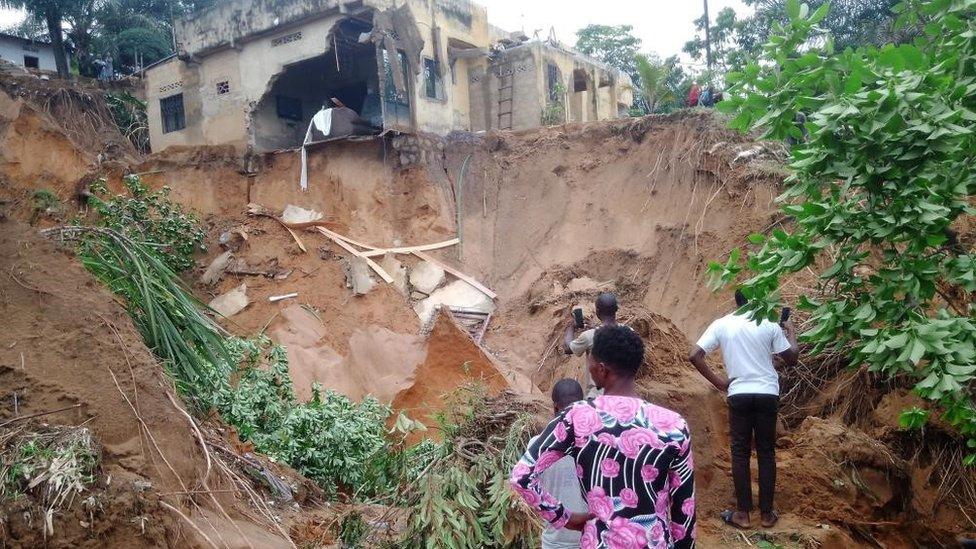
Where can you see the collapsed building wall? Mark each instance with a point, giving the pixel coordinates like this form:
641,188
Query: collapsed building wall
431,56
227,73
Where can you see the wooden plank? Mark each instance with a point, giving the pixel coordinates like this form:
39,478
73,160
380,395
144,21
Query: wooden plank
295,236
345,245
411,249
481,287
346,239
484,328
470,316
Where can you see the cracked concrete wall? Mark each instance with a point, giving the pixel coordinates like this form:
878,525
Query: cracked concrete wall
228,24
232,53
247,43
458,20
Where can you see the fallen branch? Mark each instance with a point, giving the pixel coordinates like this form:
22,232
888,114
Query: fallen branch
190,522
206,474
39,414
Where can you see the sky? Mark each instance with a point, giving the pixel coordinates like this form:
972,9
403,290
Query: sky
662,25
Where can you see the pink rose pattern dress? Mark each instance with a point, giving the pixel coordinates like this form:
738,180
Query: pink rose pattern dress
635,468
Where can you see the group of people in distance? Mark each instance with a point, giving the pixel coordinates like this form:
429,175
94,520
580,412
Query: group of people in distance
612,470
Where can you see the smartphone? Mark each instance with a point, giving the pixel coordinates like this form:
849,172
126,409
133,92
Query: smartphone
578,317
784,315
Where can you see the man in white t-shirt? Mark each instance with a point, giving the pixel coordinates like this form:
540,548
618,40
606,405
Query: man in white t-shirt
561,479
753,396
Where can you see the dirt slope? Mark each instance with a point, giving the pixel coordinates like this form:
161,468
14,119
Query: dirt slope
67,342
665,188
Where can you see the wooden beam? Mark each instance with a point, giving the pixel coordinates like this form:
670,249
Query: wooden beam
411,249
481,287
337,236
345,245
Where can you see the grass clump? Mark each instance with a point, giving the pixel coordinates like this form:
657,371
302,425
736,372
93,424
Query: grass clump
49,465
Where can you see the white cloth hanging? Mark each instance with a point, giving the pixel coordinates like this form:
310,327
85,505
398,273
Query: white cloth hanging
322,121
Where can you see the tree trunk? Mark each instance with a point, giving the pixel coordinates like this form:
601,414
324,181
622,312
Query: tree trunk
53,18
708,41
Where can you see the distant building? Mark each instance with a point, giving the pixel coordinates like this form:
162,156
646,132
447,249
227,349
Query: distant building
31,54
252,73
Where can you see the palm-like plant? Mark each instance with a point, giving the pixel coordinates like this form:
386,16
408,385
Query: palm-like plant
653,81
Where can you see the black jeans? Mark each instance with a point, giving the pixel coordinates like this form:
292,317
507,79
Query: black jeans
753,415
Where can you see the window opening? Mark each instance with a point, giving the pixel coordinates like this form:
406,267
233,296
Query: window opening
174,117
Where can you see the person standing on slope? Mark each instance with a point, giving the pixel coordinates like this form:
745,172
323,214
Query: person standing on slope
753,398
579,345
633,458
693,93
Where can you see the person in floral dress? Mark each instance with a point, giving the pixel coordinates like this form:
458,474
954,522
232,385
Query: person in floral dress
633,459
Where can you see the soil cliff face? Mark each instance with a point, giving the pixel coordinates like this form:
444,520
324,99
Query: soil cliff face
547,218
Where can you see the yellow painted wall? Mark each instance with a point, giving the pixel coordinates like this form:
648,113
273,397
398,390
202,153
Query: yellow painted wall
249,67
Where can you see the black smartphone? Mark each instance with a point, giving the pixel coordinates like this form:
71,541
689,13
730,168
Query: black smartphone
784,315
578,316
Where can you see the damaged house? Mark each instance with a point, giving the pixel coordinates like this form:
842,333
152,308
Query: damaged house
254,73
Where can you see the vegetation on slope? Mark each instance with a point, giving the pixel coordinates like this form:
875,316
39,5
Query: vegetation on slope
882,179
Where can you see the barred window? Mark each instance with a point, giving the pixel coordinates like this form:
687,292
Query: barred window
433,83
553,82
174,117
223,87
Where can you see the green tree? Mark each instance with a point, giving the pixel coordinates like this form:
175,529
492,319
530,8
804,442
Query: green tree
614,45
726,38
654,80
849,23
142,44
52,13
82,23
879,187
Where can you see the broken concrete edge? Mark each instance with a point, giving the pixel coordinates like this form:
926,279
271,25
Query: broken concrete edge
230,303
426,277
458,293
357,276
216,268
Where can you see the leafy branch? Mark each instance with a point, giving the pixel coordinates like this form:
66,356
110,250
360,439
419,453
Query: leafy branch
882,178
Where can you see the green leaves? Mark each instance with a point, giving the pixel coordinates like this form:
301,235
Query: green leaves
882,176
913,418
150,217
793,9
464,501
330,439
